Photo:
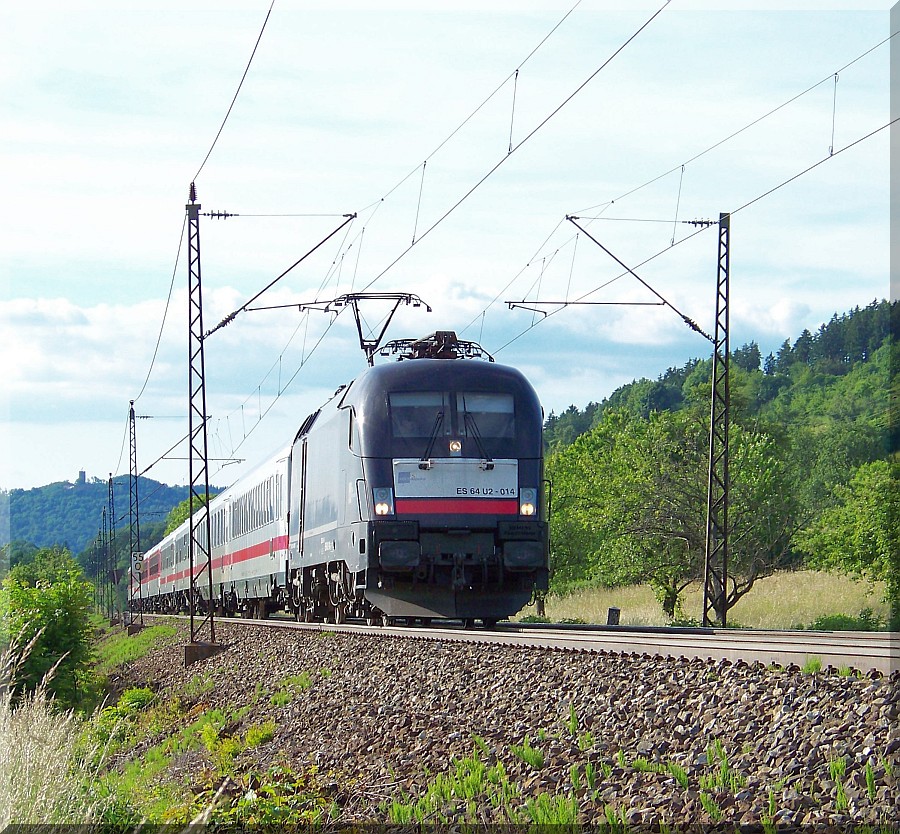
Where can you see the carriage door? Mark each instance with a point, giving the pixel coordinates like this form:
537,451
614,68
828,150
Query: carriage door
297,500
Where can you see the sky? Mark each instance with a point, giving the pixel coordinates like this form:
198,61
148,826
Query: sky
461,136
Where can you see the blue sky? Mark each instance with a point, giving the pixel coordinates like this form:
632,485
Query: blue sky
107,113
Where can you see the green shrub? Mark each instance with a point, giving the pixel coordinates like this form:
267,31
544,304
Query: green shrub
301,681
135,699
259,734
866,621
47,604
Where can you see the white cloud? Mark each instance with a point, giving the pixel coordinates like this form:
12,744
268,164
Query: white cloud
110,115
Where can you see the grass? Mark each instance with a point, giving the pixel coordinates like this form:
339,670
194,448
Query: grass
547,810
45,773
198,685
532,756
279,799
288,688
679,774
118,647
139,785
786,600
837,768
722,776
812,665
469,787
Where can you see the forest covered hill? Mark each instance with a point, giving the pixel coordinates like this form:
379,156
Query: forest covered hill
838,373
70,513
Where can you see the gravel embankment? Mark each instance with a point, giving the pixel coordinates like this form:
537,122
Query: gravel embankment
385,712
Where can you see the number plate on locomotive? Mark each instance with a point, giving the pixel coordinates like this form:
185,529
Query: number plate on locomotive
456,478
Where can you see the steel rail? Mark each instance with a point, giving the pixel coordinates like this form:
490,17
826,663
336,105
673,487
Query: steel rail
865,652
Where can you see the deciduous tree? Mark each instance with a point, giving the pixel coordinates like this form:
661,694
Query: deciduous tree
630,505
48,601
860,535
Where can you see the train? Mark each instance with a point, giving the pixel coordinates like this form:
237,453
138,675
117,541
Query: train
416,493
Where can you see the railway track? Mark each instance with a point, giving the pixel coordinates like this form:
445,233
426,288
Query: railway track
861,651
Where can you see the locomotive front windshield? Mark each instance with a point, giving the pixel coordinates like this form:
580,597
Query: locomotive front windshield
422,422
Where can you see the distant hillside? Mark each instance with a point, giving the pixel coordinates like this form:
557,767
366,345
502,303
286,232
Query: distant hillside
839,374
70,513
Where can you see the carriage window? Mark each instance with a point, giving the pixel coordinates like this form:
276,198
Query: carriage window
414,413
488,415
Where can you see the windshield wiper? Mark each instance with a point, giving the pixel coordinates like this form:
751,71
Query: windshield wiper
472,427
425,463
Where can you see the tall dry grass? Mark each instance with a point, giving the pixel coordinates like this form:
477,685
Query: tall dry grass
783,601
43,780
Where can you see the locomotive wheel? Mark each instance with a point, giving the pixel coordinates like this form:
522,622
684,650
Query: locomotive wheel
469,622
490,623
339,613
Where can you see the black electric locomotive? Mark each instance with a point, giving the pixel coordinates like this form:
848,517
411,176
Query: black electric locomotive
416,492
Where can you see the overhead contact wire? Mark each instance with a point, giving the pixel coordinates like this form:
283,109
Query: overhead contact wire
237,92
166,311
610,203
286,386
233,315
745,127
833,113
698,231
503,159
512,115
496,90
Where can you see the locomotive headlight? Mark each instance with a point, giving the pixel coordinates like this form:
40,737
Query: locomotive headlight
527,501
384,500
455,447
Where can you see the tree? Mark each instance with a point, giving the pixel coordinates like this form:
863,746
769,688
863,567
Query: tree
48,601
17,552
630,505
179,513
747,357
586,520
803,348
784,359
860,536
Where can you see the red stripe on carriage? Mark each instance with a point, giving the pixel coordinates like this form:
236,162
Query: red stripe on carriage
474,506
254,551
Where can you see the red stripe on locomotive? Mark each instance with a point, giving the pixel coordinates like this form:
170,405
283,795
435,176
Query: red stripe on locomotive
474,506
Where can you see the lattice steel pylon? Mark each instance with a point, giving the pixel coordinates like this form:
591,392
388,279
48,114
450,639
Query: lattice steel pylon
134,516
111,504
200,549
715,587
104,549
112,515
